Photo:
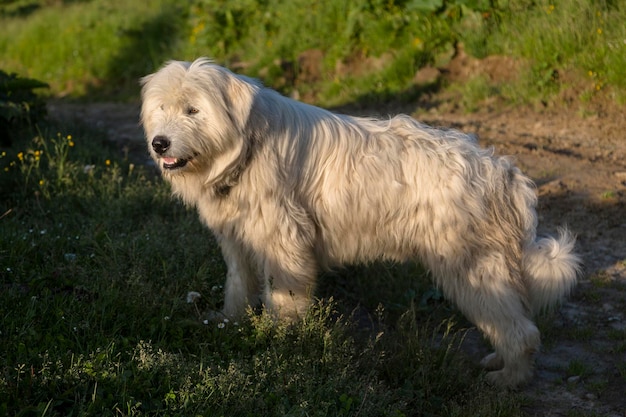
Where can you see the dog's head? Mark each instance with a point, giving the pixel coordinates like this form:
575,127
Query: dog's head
194,116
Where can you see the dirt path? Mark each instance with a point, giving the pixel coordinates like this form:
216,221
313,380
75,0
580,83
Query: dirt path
579,165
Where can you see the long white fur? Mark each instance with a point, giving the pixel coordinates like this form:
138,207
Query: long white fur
289,189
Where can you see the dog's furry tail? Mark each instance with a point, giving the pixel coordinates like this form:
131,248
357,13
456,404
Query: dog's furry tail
551,268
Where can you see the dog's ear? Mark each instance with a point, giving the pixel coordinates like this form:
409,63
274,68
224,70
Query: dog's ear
236,92
144,80
239,97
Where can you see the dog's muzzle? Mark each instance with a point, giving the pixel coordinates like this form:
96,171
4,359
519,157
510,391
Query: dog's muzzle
160,145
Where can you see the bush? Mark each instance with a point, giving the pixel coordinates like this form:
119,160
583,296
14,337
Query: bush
19,105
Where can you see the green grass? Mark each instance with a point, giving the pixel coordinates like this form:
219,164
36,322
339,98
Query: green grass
96,260
81,47
573,44
370,49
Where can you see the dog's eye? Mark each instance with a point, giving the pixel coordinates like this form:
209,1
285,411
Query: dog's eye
192,110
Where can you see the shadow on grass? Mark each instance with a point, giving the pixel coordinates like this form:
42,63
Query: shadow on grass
390,103
148,47
23,9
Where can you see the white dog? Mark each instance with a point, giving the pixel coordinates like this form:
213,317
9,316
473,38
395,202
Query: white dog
290,189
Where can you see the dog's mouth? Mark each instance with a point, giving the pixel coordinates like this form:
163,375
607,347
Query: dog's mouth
174,163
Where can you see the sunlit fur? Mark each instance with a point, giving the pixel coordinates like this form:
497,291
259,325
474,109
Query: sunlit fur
290,189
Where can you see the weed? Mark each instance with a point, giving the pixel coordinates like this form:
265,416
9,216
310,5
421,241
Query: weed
582,333
608,195
474,92
621,368
601,280
577,367
619,337
597,386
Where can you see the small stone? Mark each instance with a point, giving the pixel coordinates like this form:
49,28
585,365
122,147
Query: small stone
573,379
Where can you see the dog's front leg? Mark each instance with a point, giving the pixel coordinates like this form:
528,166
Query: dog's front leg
290,272
286,295
242,282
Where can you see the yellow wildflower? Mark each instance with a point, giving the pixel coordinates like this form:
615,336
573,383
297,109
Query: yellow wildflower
20,156
107,162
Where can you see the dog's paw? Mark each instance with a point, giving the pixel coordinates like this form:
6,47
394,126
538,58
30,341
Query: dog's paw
497,378
509,378
492,362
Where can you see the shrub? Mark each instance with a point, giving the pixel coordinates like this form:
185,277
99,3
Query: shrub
19,105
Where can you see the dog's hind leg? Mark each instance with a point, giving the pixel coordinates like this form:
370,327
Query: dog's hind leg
493,297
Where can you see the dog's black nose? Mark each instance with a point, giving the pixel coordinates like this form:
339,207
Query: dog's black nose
160,144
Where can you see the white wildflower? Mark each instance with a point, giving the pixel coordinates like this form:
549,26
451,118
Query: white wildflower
193,296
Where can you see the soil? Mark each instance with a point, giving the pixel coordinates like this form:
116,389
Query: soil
579,165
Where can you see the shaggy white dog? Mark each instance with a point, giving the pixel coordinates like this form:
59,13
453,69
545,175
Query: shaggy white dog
290,189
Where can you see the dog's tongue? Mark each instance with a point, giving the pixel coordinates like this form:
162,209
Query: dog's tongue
170,161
